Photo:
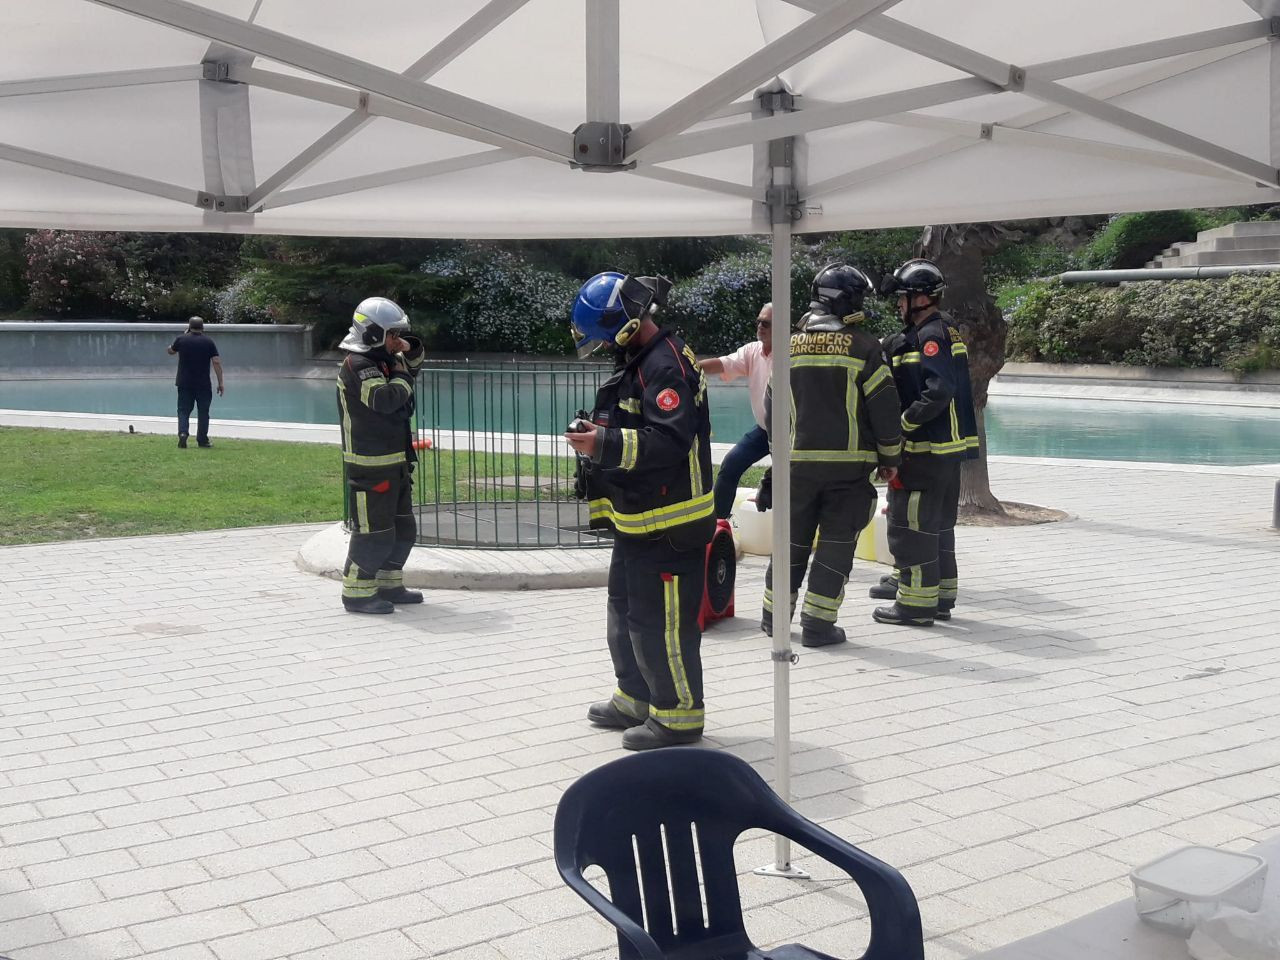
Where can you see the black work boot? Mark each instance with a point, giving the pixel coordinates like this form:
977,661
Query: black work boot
368,605
399,595
766,619
886,589
182,441
653,735
944,609
606,714
900,617
821,635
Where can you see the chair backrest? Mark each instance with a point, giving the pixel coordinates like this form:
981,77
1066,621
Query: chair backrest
662,826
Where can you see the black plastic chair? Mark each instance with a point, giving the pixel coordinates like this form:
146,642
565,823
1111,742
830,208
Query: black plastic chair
694,804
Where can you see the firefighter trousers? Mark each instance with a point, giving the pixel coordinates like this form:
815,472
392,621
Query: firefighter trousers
923,503
383,529
655,592
835,510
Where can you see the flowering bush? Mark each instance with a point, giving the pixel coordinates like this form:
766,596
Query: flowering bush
148,297
496,301
243,300
716,309
72,272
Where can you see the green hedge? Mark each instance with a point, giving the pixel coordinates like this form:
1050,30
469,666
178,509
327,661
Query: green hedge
1232,323
1131,239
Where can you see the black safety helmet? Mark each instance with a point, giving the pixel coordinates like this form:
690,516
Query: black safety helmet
915,276
840,288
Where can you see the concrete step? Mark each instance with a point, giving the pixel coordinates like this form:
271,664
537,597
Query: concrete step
1217,244
1223,258
1252,228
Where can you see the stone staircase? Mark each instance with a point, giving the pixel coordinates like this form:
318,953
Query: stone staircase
1236,244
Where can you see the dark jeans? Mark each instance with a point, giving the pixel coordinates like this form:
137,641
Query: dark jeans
750,450
200,398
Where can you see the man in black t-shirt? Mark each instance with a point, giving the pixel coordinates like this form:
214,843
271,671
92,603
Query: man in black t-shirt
195,352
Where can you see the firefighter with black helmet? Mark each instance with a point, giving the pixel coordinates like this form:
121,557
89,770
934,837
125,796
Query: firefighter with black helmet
845,429
931,368
647,456
375,406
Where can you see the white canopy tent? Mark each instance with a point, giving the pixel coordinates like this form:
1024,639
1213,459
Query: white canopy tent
458,119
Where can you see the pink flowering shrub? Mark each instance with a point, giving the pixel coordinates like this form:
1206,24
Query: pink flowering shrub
72,272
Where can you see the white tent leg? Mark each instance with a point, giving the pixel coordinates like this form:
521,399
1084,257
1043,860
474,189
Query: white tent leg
780,452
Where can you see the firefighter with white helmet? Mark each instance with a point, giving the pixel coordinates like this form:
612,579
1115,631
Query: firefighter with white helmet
375,407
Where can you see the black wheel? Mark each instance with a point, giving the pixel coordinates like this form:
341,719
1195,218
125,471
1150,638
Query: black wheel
722,568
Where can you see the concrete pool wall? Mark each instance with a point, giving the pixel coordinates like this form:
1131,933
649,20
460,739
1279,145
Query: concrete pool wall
88,349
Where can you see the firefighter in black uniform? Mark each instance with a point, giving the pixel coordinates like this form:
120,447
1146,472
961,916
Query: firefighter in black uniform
931,369
845,428
645,452
375,404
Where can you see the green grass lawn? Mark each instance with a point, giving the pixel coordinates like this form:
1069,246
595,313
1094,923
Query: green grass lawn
69,485
66,485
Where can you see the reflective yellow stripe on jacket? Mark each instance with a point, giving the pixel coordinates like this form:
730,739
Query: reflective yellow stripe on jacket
653,521
383,460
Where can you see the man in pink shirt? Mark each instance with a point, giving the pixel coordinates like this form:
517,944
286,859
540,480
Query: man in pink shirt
751,360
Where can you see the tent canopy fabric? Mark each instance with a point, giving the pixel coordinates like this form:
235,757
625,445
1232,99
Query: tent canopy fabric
406,118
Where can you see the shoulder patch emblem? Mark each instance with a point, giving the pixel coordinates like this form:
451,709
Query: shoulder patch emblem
370,372
668,400
931,348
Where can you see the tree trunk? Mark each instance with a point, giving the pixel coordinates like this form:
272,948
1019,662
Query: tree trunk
975,482
958,250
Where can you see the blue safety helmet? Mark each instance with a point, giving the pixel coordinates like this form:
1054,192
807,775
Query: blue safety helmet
610,307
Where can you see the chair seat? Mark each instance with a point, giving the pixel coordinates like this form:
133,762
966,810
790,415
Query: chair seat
663,830
789,951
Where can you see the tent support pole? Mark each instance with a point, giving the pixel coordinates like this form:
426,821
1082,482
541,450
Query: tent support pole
782,205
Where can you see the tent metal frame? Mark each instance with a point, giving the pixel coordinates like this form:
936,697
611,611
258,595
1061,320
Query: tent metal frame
369,91
689,127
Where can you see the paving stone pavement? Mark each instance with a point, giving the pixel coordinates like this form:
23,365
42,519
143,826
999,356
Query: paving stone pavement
203,758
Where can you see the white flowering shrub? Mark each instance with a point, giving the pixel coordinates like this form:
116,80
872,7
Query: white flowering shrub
716,309
244,300
495,301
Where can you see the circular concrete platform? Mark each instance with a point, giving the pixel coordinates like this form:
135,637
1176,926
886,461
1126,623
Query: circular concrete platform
461,569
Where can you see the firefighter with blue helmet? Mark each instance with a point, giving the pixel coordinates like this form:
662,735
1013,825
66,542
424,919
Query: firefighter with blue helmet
645,450
375,407
931,370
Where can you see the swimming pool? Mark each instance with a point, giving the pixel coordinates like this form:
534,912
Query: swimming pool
1016,426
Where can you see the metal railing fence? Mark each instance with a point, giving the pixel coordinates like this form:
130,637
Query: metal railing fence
498,473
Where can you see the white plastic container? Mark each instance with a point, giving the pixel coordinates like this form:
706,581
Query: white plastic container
1181,888
752,530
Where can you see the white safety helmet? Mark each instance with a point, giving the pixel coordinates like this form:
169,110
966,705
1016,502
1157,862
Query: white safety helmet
371,322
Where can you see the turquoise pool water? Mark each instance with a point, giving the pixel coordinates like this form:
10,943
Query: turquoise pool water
1083,429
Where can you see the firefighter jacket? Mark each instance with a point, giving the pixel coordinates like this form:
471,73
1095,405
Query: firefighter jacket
375,405
651,475
845,410
931,370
